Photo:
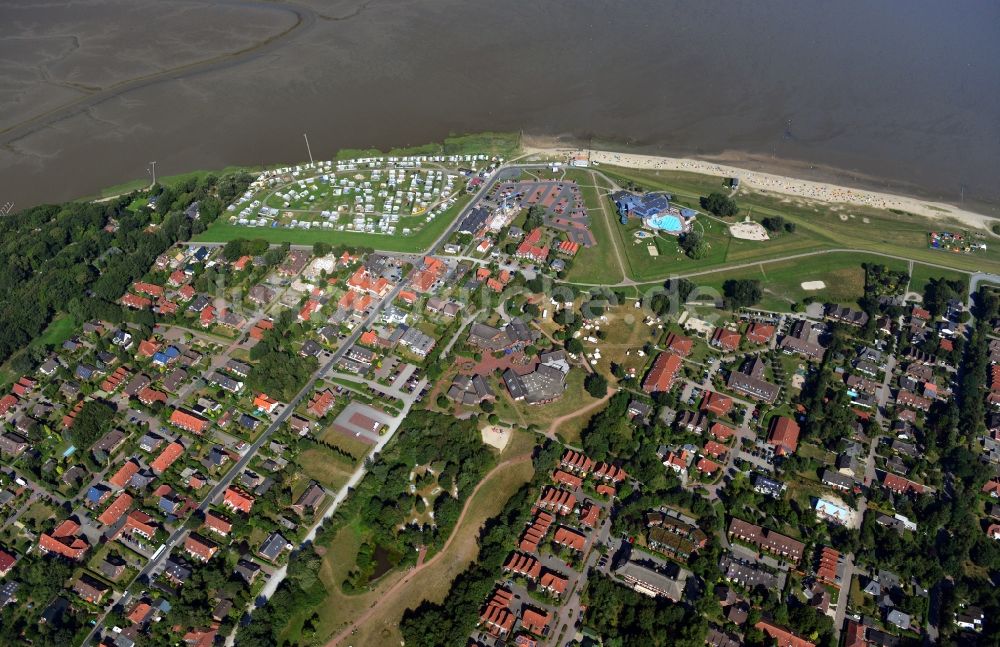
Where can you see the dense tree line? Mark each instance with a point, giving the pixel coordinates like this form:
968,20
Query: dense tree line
607,434
742,293
239,247
694,245
938,292
777,224
629,619
279,370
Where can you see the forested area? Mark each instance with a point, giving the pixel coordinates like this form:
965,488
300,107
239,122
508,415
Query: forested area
93,421
41,580
279,370
624,618
79,257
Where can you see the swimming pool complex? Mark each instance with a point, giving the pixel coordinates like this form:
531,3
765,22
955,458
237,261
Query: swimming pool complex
667,223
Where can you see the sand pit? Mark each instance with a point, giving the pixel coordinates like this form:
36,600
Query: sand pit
813,285
748,230
496,436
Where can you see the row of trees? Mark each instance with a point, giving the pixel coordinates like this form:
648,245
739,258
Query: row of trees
623,617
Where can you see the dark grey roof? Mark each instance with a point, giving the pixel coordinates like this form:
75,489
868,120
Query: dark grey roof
273,546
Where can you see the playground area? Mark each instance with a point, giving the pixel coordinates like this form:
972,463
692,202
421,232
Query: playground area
748,230
956,242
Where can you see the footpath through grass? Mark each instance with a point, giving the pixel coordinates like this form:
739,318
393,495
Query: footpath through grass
337,609
841,273
817,226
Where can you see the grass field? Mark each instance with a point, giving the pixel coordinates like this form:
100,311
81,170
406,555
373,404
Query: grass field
840,271
782,280
356,448
598,264
817,225
325,466
624,332
922,274
336,610
503,144
61,329
221,232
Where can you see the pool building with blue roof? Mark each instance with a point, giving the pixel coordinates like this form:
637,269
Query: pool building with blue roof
655,211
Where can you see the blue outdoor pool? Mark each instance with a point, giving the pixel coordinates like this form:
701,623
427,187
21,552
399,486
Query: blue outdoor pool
666,223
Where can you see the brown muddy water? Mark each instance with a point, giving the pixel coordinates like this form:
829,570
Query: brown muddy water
902,95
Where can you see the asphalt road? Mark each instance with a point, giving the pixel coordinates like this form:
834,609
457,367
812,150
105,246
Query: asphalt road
178,535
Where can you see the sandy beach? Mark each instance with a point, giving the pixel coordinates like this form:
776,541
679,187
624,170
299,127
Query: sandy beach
768,182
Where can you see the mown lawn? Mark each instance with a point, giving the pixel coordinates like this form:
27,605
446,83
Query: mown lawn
782,281
922,274
598,264
817,225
